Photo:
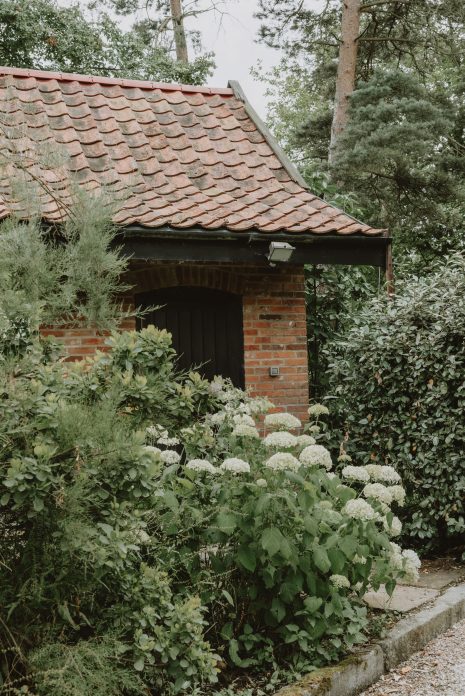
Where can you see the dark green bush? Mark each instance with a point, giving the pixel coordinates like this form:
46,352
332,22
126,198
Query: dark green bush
399,381
80,595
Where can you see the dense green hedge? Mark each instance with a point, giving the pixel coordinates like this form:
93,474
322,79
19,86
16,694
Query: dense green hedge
399,381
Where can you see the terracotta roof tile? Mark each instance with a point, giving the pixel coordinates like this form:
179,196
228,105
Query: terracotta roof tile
174,155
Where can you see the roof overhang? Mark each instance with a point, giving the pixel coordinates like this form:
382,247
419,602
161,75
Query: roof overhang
223,246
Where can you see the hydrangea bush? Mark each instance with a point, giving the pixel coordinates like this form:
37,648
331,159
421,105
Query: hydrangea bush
163,529
280,546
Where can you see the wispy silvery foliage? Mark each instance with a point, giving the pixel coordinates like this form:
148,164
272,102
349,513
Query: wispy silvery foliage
67,273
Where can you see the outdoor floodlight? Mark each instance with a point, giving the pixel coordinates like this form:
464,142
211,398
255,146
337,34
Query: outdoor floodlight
280,252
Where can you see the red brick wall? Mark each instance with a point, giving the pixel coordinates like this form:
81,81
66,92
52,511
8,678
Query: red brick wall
275,334
81,342
274,322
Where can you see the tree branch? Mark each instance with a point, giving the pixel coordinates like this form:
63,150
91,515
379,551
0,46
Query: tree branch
367,6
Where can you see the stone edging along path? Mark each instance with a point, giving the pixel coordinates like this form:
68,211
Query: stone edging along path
410,634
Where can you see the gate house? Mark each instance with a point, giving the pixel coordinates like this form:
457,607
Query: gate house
207,196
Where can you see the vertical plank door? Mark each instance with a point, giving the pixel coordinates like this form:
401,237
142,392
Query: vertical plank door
206,327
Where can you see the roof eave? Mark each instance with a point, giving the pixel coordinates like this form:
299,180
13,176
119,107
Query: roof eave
222,246
251,235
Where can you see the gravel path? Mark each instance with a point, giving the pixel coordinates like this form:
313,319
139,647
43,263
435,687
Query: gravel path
437,670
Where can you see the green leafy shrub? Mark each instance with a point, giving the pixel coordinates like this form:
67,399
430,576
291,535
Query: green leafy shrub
126,553
398,378
76,485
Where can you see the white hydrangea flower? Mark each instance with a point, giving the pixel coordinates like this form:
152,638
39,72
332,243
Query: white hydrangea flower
316,455
379,492
260,405
314,429
216,385
412,556
201,465
244,408
280,439
355,473
243,419
139,536
243,430
227,395
332,517
412,565
395,559
156,431
318,410
261,482
397,494
389,475
235,466
359,559
359,509
339,581
187,432
395,528
344,457
331,475
168,441
218,418
283,461
305,440
170,457
281,421
374,471
383,473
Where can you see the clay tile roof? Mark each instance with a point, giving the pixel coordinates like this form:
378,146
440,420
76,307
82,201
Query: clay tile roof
176,156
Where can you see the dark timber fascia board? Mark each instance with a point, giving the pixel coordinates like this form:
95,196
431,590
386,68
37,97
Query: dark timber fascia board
253,249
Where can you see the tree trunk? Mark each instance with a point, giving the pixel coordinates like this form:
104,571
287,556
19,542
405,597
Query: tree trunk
179,33
345,80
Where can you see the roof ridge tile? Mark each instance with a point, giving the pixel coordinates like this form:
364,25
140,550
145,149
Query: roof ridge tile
119,81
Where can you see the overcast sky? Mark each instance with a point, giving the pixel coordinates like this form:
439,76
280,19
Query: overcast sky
232,37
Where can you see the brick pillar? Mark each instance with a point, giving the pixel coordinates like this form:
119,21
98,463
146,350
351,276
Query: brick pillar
275,335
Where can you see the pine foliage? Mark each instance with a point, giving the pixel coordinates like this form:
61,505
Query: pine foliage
396,154
64,275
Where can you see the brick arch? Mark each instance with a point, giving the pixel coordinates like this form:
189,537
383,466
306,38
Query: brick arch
165,276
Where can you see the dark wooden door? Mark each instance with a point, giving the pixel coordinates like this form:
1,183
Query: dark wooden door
206,326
